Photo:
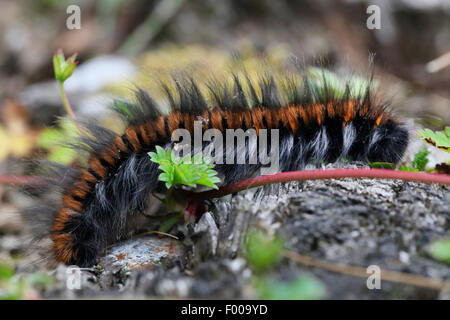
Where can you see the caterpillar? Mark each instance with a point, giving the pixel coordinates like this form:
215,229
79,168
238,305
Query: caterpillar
315,124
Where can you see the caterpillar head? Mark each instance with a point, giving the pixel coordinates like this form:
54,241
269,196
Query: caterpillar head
388,142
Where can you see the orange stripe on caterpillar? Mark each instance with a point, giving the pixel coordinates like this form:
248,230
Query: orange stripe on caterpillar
63,216
97,167
131,135
118,142
63,247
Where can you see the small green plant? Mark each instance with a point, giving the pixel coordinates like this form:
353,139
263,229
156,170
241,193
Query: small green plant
188,171
64,68
14,286
262,250
440,250
303,287
419,162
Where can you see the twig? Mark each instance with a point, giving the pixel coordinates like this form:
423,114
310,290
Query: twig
160,233
391,276
321,174
69,110
439,63
144,33
23,180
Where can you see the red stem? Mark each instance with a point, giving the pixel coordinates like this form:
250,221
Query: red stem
23,180
322,174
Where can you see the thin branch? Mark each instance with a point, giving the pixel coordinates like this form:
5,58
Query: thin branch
23,180
69,110
387,275
319,175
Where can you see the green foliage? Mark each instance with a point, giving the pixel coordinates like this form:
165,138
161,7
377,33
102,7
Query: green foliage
263,251
63,68
420,159
406,168
188,171
440,250
303,287
438,139
53,140
418,164
14,287
382,165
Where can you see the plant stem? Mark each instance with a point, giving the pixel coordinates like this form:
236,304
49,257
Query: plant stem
386,275
23,180
321,174
69,108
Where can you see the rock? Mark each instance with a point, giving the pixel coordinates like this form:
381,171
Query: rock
142,252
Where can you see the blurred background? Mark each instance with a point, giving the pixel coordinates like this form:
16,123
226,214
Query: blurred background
121,43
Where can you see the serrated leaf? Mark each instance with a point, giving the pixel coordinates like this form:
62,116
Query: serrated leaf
438,139
188,171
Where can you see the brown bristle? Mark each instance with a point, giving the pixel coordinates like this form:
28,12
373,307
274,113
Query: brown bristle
83,185
118,142
63,247
87,176
78,192
97,167
144,134
108,156
131,135
61,219
174,120
159,126
216,119
70,202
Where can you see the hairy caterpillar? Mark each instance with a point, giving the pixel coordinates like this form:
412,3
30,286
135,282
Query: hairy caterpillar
315,125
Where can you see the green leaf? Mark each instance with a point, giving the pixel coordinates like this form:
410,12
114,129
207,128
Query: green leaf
438,139
440,250
263,251
184,171
382,165
406,168
6,272
63,68
420,159
303,287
